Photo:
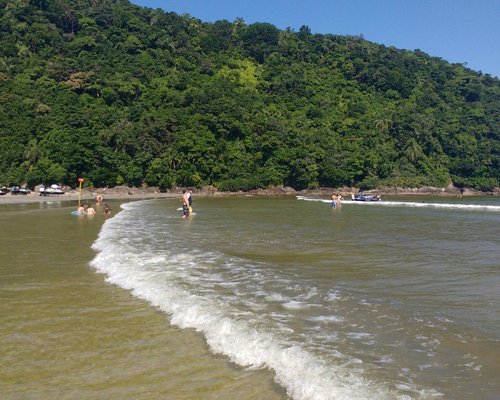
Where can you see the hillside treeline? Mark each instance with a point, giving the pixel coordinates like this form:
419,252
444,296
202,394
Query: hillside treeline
120,94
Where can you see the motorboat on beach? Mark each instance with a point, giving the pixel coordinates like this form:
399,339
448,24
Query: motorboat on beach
4,190
52,190
366,197
15,190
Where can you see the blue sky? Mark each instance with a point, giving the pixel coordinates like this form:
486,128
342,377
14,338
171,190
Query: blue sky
459,31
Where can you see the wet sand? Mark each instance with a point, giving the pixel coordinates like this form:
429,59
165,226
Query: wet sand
86,196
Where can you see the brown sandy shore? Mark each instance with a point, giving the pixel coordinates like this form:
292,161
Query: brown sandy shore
88,196
127,194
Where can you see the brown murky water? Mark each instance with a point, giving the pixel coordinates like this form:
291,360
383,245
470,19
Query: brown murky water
252,298
67,334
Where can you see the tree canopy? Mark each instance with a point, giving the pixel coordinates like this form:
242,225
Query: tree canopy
121,94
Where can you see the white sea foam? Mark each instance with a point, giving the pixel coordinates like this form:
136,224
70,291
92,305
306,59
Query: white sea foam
385,359
155,278
450,206
359,335
294,305
327,319
276,297
333,296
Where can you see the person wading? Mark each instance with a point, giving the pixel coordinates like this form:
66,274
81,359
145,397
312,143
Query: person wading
185,203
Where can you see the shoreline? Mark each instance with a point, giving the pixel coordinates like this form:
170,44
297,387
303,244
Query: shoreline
85,199
126,193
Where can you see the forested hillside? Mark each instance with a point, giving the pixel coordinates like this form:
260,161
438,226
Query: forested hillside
120,94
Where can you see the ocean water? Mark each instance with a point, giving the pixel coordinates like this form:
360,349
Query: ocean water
398,299
65,333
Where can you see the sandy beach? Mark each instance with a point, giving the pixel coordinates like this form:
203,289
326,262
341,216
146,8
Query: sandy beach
88,196
127,193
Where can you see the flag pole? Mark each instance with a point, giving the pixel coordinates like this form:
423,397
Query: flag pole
80,191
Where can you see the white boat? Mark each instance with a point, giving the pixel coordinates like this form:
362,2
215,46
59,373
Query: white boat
15,190
366,197
52,190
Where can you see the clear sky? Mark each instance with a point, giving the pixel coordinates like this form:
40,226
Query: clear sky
459,31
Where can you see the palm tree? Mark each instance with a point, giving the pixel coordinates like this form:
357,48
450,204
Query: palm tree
383,125
414,151
32,154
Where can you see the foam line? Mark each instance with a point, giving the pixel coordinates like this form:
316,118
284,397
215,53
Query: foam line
153,276
448,206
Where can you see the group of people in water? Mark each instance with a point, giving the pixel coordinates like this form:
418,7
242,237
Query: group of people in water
187,202
87,209
336,200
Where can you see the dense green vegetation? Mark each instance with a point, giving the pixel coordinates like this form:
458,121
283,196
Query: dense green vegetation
120,94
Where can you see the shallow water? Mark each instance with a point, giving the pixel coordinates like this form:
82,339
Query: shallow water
255,298
67,334
396,299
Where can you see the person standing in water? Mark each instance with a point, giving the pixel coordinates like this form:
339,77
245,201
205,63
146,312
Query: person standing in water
336,200
190,201
185,203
